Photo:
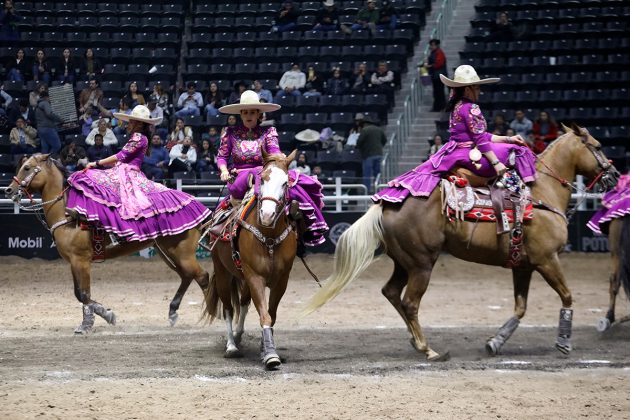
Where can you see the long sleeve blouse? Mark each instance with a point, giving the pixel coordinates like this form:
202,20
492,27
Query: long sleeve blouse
243,152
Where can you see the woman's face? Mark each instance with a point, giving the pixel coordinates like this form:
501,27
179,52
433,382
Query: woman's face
66,53
102,125
20,54
205,145
472,92
179,124
231,120
89,53
187,141
40,55
213,87
544,116
133,88
250,117
437,140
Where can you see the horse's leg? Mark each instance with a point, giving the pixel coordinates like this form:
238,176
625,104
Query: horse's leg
521,280
80,267
224,290
246,299
275,295
394,287
552,273
270,358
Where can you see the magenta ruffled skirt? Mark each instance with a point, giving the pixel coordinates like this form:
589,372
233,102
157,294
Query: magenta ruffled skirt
615,204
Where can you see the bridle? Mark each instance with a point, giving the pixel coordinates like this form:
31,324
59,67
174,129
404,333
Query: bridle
280,204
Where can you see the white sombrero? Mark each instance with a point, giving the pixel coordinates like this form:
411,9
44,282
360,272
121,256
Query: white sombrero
139,113
249,100
466,75
307,135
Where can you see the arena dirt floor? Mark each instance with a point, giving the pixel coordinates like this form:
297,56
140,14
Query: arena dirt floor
350,360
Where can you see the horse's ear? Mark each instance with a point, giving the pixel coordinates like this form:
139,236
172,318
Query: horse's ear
565,128
43,157
576,128
291,157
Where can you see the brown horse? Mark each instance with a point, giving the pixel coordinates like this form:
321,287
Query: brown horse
45,175
414,234
267,243
619,243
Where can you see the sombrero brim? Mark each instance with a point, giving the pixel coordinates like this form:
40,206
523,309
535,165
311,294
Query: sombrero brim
452,83
237,108
129,117
307,136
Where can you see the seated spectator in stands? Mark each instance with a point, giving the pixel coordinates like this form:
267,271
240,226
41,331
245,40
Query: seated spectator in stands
521,124
41,68
382,81
183,156
23,138
33,96
98,151
180,131
189,102
263,93
214,100
239,88
501,29
160,97
360,80
19,71
22,110
317,172
157,112
498,125
436,145
73,157
8,22
90,96
232,120
91,67
156,160
133,96
336,85
314,84
207,160
213,137
545,128
119,127
367,17
86,120
286,19
67,68
291,82
301,165
102,127
327,18
387,16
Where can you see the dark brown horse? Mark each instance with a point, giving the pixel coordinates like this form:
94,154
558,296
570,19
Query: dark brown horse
45,175
414,233
267,244
619,244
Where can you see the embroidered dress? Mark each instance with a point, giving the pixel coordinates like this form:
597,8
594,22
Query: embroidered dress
467,127
128,204
244,153
616,203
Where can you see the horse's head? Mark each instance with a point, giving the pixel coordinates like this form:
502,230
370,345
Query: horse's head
590,161
274,181
26,180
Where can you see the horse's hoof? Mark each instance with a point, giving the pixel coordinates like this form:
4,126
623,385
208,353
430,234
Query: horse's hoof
172,319
603,324
232,353
110,317
272,361
82,330
439,357
492,348
564,348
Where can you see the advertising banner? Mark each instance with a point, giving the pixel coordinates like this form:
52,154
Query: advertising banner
24,236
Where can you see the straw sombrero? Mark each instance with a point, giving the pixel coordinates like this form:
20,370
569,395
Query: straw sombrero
249,100
466,75
139,113
307,136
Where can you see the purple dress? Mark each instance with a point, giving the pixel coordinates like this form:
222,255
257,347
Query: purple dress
128,204
237,151
467,127
615,204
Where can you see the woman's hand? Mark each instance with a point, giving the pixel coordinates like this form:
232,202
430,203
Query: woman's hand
225,176
91,165
517,139
500,168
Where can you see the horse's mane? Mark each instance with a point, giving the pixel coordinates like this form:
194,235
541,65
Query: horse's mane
57,164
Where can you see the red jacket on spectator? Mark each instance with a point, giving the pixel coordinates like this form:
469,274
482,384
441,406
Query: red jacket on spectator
552,132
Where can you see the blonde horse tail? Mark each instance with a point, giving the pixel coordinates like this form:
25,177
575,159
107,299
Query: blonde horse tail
354,253
212,304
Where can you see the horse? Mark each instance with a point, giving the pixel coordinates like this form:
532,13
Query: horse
415,232
45,175
267,243
619,243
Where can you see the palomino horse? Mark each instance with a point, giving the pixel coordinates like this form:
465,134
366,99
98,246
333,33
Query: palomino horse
45,175
267,244
619,243
414,234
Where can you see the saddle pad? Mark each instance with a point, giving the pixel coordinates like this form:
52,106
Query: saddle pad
485,214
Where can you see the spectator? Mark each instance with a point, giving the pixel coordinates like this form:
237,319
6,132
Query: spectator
498,126
118,126
157,112
436,64
180,131
327,18
239,88
21,111
286,19
317,172
232,120
19,71
91,67
367,17
214,100
86,119
370,145
90,96
102,127
156,160
41,69
160,97
314,84
436,145
206,161
183,156
33,96
189,102
67,67
501,29
544,131
301,165
263,94
361,80
133,96
387,16
213,137
98,151
291,82
5,101
47,122
8,22
355,131
23,138
336,85
521,125
73,157
382,81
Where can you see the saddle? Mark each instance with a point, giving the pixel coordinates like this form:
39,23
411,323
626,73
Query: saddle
97,234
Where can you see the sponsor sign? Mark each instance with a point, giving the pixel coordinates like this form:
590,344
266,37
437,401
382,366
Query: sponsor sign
24,236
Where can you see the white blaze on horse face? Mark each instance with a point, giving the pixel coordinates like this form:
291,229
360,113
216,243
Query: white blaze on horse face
273,188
